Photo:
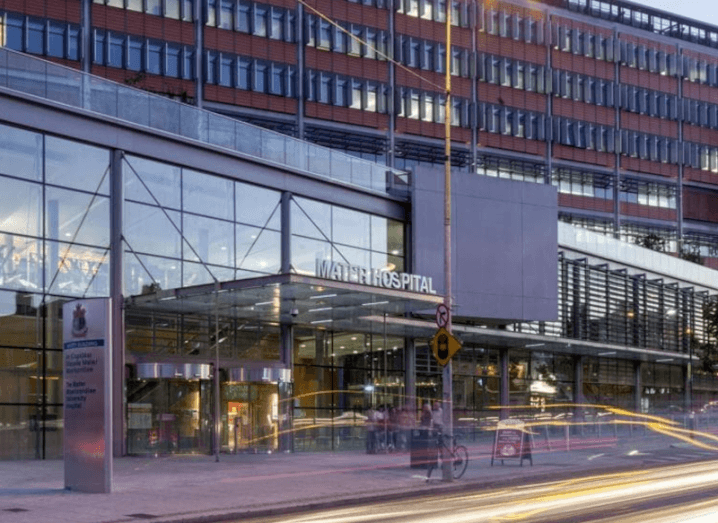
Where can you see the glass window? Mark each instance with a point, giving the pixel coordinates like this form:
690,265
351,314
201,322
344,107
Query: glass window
35,36
148,230
244,74
19,215
117,51
173,60
260,77
277,29
154,7
134,5
387,235
213,240
20,153
187,10
162,181
306,252
225,15
13,32
208,195
244,10
340,92
258,249
350,227
277,81
76,165
84,271
188,63
257,206
165,272
134,57
260,20
172,9
154,58
56,40
77,217
99,55
25,271
311,218
226,70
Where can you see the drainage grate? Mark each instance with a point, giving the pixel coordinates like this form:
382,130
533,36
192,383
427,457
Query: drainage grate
15,510
142,516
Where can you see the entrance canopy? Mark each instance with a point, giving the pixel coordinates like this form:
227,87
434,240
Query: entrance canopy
289,298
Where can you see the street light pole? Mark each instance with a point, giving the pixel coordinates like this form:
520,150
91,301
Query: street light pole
447,374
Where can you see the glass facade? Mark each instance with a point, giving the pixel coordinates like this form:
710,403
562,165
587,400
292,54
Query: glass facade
54,246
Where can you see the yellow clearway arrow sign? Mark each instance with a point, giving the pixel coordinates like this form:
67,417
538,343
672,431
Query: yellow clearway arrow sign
444,346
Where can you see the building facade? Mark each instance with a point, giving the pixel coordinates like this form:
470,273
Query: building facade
609,101
161,205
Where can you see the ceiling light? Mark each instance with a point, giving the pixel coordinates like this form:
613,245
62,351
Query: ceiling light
321,321
354,338
374,303
320,309
320,296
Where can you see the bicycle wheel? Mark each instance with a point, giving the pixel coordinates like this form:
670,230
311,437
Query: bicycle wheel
460,461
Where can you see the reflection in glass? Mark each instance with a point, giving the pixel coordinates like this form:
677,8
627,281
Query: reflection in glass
258,250
350,227
20,214
18,320
20,262
197,274
306,252
255,205
211,239
76,270
147,229
20,437
20,153
76,165
77,217
207,195
162,180
311,218
167,273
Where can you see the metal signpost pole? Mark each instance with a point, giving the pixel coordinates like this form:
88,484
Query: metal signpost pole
447,393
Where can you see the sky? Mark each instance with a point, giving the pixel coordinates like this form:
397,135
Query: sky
703,10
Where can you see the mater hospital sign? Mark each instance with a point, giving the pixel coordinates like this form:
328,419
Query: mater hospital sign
378,278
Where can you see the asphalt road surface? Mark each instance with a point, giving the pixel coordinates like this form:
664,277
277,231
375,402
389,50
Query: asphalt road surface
671,494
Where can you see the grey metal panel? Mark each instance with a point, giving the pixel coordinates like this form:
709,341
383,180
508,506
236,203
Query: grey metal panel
135,140
505,244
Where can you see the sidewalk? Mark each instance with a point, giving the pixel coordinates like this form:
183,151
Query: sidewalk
196,488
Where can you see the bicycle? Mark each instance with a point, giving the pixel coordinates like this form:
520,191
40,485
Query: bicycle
457,454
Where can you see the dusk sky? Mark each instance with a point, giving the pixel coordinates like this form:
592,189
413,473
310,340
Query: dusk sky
704,10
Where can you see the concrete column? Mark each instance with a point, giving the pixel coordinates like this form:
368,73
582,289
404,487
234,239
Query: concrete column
300,71
504,388
286,233
410,375
638,386
199,52
117,305
578,397
286,391
86,35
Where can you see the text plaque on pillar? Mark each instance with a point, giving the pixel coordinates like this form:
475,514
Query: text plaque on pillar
87,388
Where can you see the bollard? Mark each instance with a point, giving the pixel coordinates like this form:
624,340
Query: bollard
566,436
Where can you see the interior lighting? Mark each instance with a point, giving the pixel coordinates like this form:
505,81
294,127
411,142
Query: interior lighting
321,321
534,345
610,353
664,360
354,338
320,296
320,309
263,303
374,303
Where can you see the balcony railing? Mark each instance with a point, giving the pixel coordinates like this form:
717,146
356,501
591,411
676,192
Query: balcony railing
34,76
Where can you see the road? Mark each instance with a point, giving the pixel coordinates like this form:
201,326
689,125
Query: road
667,494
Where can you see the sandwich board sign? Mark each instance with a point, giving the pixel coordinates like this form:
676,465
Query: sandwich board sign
87,389
512,441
